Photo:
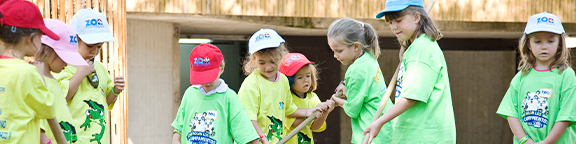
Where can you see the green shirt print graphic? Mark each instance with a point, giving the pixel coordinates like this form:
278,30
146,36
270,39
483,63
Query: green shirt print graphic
275,129
303,138
96,113
535,108
69,132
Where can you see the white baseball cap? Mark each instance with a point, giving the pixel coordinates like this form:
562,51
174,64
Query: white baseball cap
544,22
263,39
91,26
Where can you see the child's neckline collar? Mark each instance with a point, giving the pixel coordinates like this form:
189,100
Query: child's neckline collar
5,57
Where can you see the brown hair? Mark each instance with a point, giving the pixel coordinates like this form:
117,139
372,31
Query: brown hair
426,24
14,35
528,60
275,53
45,54
349,31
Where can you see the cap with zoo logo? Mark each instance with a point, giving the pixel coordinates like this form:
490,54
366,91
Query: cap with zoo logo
91,26
205,60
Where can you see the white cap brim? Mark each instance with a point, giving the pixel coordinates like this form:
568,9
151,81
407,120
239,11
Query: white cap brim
272,44
95,38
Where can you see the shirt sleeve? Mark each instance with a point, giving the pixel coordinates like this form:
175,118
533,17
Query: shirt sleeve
250,98
356,93
180,115
109,84
290,105
420,78
509,105
567,98
240,125
38,97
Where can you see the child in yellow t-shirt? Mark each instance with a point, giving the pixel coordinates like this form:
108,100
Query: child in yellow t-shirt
24,100
56,54
265,93
90,90
303,76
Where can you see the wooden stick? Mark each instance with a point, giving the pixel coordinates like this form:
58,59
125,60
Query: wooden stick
384,100
303,124
391,86
57,131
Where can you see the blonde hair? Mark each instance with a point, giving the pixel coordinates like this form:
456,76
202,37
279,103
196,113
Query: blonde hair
528,60
275,53
45,53
349,31
426,24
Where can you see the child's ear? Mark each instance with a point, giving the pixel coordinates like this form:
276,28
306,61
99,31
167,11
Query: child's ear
356,46
417,17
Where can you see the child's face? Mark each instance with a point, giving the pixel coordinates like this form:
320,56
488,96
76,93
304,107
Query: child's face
89,51
57,64
344,54
405,26
267,67
302,80
214,84
544,46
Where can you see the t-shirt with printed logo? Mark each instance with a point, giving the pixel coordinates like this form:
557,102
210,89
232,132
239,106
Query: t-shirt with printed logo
540,99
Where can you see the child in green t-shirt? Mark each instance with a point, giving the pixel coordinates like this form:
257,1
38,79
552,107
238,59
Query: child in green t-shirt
423,107
265,93
210,112
303,78
356,44
540,102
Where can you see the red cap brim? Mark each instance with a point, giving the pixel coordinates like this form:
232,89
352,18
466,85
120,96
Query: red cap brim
203,77
297,66
49,33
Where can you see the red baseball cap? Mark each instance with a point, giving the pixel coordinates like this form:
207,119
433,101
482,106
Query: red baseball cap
24,14
292,62
205,61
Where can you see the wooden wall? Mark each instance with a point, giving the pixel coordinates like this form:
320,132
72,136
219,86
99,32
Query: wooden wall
447,10
113,54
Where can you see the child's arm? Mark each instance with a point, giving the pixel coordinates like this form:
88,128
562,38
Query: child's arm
176,138
118,88
400,107
557,131
260,132
517,130
43,138
77,78
301,112
321,117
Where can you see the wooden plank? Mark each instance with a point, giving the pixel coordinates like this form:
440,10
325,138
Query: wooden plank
88,3
54,9
62,10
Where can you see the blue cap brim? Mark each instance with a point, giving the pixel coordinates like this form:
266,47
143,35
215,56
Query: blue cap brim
391,9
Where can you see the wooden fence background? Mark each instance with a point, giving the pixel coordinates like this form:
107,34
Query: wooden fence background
447,10
113,54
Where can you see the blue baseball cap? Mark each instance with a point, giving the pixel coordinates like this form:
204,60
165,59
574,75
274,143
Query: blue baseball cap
398,5
544,22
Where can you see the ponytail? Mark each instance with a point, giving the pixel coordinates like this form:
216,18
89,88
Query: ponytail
349,31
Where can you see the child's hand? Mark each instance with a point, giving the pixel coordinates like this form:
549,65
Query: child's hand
322,107
39,65
341,87
118,84
331,105
372,130
338,101
86,70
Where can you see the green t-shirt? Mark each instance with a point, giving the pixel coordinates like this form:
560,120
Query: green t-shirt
62,114
423,77
305,135
268,103
540,99
24,101
88,107
365,87
214,118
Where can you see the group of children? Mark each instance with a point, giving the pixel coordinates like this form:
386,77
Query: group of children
63,82
278,93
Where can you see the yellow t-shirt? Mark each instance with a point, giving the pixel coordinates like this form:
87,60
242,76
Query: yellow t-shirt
62,113
305,135
24,101
268,103
88,106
